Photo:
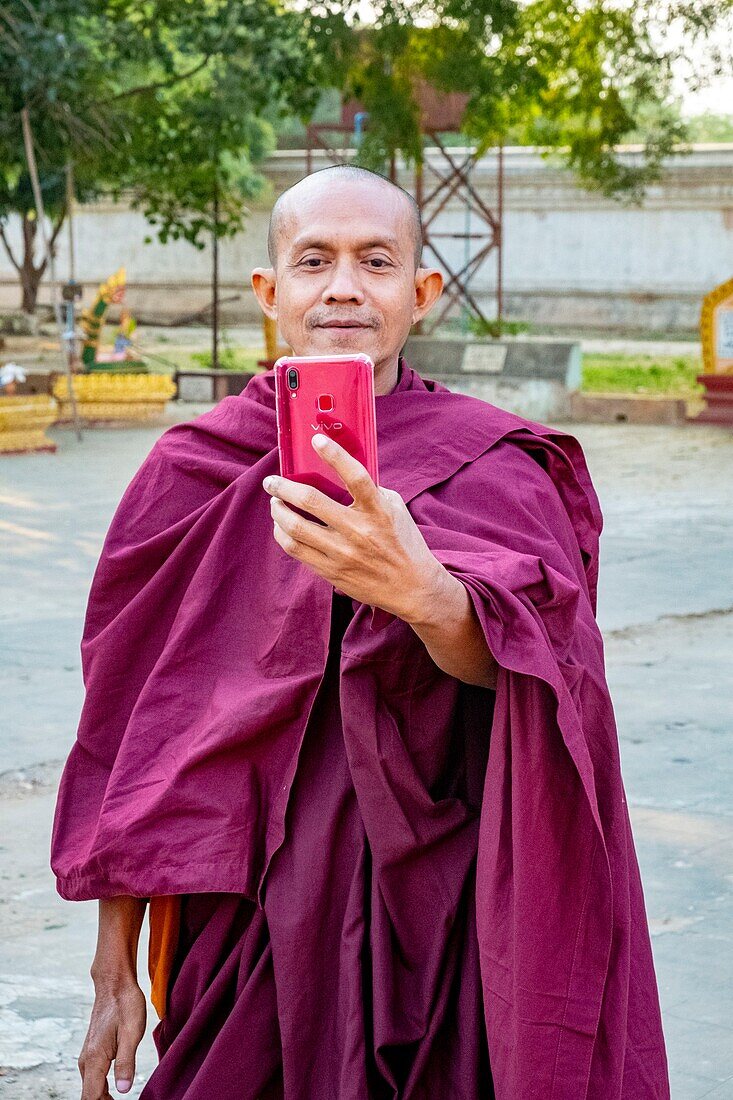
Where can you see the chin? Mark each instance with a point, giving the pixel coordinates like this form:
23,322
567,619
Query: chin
341,341
346,336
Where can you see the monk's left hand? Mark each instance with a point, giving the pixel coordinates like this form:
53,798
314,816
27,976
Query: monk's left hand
371,549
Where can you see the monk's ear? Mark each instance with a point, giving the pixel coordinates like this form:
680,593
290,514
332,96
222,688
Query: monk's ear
263,284
428,288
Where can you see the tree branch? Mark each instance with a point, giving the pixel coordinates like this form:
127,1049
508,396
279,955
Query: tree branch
8,249
142,89
57,227
41,269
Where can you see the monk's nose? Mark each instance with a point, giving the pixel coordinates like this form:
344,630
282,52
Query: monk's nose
344,284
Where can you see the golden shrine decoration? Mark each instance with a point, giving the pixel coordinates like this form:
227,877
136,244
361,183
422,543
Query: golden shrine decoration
716,337
114,396
23,422
112,290
716,329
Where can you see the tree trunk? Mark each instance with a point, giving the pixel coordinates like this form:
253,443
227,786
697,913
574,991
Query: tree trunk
30,275
30,282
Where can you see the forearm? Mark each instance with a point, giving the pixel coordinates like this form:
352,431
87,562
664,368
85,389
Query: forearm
120,921
446,622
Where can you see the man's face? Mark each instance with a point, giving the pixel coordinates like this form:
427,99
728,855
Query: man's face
345,278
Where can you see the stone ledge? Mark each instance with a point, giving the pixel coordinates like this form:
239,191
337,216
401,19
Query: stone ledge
543,359
210,385
613,408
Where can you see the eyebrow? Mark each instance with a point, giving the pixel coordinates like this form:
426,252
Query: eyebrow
375,242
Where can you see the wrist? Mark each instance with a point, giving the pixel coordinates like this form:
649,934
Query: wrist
112,976
432,598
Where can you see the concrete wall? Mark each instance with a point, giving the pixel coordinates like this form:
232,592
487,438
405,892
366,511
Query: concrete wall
571,257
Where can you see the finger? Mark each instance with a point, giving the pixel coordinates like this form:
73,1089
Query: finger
307,554
94,1078
353,473
306,497
300,529
125,1062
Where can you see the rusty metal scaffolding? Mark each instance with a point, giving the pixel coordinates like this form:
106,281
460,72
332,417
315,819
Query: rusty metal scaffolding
454,182
452,172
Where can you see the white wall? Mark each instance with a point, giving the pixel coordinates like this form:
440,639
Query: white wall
570,256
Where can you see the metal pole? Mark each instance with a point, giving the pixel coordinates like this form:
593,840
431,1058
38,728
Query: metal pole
500,250
71,345
41,215
70,219
215,281
418,327
466,255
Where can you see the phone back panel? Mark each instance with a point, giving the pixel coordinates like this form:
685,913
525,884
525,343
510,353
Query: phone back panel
335,396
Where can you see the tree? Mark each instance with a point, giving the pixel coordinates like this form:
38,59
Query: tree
174,102
171,102
16,195
575,76
32,46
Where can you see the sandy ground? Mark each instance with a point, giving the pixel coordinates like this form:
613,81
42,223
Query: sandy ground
666,609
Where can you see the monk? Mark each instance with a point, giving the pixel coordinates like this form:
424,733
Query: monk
361,770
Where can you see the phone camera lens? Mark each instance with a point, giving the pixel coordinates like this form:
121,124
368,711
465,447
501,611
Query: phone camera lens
292,379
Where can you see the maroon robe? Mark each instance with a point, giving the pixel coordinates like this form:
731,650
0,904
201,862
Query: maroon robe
468,823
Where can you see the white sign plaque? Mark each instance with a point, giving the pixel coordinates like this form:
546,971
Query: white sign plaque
485,358
724,324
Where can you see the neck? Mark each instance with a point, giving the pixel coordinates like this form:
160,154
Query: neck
386,374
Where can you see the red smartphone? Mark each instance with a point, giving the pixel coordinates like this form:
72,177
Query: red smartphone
331,394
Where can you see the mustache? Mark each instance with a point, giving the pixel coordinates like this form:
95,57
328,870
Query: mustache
319,318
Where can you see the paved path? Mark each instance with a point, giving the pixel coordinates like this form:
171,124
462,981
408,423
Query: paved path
666,608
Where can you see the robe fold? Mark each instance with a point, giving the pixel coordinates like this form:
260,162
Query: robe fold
203,652
339,997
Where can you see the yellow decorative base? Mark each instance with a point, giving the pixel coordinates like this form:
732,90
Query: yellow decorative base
114,396
23,423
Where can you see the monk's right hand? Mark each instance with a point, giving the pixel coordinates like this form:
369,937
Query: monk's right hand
116,1026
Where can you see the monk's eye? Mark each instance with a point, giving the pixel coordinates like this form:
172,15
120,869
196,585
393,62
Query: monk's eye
380,260
310,261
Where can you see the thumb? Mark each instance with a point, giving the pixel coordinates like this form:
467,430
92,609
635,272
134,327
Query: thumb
125,1062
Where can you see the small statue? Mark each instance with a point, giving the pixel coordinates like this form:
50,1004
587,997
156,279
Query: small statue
123,341
122,358
10,375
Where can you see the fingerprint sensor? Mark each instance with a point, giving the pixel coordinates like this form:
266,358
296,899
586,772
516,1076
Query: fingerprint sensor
325,402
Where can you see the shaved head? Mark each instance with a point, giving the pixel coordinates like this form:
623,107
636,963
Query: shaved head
282,210
346,273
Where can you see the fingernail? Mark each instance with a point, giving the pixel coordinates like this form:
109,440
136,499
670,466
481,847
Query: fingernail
268,482
320,440
124,1085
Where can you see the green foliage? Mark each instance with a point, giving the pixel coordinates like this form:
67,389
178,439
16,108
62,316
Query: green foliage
229,359
709,127
577,78
496,327
614,373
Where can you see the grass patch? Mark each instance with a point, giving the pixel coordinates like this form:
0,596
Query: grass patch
229,359
172,358
672,376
